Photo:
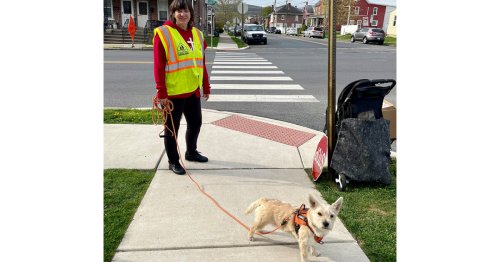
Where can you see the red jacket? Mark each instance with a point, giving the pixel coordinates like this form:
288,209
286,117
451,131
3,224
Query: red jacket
160,60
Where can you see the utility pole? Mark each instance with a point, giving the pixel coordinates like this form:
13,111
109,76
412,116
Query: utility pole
274,13
332,67
286,17
349,13
242,21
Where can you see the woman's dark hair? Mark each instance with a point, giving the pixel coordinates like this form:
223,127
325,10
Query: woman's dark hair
181,5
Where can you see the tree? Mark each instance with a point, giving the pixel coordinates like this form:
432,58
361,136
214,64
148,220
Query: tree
345,11
266,11
227,10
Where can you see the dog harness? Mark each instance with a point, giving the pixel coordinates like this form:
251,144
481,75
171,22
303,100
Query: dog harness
300,219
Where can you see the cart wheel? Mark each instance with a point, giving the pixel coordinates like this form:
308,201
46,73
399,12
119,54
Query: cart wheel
341,181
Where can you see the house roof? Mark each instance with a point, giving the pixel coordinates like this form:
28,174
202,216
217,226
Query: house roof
309,9
382,2
254,10
292,10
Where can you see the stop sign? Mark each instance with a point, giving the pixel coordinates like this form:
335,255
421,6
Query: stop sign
319,158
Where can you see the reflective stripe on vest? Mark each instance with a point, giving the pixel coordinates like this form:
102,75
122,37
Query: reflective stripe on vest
184,68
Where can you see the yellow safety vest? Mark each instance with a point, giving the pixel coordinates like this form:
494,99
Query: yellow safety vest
184,68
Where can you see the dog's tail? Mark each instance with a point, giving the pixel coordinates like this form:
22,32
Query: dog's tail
254,205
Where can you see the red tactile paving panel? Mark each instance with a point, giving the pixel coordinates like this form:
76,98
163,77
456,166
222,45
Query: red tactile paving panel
272,132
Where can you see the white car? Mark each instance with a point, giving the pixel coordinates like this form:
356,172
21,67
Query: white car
254,33
314,31
291,31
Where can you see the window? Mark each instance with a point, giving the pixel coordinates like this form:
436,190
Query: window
127,7
394,22
374,22
143,8
163,15
282,17
296,18
351,22
375,10
107,9
356,10
365,21
358,22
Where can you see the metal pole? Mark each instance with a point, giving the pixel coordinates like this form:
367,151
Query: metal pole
332,67
349,13
212,26
242,13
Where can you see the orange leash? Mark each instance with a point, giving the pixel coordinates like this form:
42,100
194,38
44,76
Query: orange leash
167,110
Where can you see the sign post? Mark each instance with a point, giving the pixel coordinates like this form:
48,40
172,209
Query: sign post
332,67
242,9
211,25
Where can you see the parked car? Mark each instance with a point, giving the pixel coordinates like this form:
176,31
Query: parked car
237,30
368,34
314,31
291,31
278,30
254,33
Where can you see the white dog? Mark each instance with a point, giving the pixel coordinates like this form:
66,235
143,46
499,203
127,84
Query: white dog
308,226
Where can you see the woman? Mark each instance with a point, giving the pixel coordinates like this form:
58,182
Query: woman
180,73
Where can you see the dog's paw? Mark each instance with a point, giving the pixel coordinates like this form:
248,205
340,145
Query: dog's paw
314,252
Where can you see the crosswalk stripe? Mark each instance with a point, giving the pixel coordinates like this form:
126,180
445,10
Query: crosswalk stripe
263,98
238,57
240,63
256,87
233,56
247,72
244,67
252,78
240,60
234,53
231,61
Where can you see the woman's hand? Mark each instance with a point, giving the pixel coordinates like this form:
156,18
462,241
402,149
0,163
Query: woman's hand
206,96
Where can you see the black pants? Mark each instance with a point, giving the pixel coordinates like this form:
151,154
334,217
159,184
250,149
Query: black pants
191,107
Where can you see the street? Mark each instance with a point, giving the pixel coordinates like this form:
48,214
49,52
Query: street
284,80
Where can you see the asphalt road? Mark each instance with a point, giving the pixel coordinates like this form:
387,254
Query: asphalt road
129,82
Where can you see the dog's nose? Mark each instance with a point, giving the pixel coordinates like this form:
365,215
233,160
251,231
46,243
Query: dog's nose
326,224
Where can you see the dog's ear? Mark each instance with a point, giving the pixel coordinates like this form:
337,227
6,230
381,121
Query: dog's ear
337,205
313,201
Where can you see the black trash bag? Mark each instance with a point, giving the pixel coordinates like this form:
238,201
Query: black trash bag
363,150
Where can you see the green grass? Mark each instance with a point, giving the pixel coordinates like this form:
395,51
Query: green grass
129,116
238,41
369,213
123,192
209,41
346,37
389,40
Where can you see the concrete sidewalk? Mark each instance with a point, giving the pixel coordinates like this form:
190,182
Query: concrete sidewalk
225,44
250,157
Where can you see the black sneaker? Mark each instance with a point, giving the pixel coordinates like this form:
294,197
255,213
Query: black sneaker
177,168
195,156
